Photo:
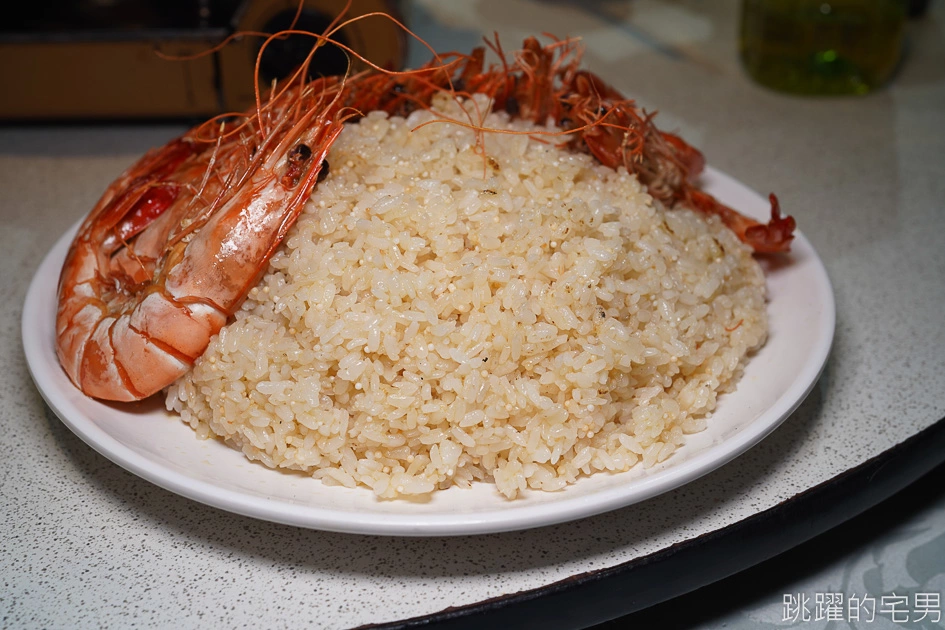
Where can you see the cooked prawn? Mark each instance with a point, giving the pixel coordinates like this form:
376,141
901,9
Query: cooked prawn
544,82
177,241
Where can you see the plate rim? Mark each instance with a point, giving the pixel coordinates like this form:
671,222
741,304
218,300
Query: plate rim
551,512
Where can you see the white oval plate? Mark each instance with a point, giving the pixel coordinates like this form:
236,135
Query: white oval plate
154,444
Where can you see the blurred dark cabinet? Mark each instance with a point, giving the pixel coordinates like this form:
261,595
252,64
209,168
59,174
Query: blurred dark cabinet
64,59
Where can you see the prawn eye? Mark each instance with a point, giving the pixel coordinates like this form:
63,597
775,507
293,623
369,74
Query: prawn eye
295,160
300,153
511,106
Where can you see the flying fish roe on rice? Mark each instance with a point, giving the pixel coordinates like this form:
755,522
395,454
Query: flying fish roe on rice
435,319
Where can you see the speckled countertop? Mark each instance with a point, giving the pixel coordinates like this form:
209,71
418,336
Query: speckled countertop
87,544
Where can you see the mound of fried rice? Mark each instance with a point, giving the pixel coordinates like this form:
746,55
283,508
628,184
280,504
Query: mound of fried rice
438,318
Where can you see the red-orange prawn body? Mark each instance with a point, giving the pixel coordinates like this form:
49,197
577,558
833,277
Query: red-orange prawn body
543,83
176,243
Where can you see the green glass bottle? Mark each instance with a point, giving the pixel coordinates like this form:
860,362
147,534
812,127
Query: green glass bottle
822,46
